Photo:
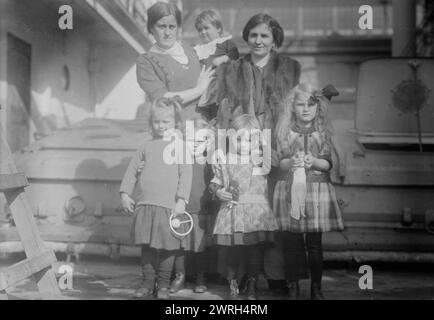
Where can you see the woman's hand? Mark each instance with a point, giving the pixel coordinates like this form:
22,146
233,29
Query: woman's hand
205,78
179,207
223,195
128,204
203,81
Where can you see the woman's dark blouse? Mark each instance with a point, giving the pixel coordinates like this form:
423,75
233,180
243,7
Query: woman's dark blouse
159,73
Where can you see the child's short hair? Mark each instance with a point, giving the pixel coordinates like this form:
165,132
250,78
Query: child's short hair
166,104
211,15
245,121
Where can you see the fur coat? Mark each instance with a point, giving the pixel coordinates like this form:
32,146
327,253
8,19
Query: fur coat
245,88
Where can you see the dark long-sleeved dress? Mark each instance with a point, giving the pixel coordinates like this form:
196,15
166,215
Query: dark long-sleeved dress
159,73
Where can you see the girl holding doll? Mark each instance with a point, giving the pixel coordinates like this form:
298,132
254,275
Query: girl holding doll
304,199
245,221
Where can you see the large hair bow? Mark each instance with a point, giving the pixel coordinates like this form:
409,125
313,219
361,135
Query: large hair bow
329,91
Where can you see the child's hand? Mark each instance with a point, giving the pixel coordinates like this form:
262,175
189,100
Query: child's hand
257,156
219,60
140,167
309,160
128,204
275,162
298,160
223,195
179,207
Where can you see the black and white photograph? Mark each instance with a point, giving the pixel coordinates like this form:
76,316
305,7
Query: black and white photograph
207,154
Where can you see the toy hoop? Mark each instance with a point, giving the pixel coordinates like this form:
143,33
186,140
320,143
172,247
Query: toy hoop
176,223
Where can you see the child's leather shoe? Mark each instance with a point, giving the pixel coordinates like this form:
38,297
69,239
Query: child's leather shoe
163,294
178,283
200,286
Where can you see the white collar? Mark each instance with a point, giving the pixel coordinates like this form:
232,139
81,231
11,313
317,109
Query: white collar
206,50
217,41
176,52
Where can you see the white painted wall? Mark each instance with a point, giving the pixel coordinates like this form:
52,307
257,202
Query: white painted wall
117,93
102,82
51,106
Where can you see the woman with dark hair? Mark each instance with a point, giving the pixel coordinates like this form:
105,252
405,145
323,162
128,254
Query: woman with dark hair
171,69
258,84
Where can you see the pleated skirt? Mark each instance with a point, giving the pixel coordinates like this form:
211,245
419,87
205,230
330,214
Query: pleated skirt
150,226
322,210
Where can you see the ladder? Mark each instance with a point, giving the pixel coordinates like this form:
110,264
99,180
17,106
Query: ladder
39,261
